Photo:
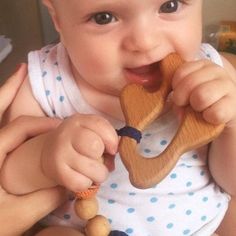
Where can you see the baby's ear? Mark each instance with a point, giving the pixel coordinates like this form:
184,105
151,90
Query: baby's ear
52,11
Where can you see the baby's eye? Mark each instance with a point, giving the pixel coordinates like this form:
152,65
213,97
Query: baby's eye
169,6
103,18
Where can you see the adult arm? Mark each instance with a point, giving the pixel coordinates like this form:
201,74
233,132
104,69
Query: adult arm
19,213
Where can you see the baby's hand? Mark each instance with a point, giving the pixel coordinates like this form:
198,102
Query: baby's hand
208,88
71,156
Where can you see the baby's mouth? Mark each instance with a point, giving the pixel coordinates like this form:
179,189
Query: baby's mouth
147,75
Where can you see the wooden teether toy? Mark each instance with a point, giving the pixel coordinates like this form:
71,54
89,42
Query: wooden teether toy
141,107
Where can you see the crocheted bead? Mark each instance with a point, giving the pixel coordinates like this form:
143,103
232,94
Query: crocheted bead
90,192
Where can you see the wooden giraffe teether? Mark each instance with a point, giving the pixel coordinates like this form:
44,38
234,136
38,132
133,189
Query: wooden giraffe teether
142,107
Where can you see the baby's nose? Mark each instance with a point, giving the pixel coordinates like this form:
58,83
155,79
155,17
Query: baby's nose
142,38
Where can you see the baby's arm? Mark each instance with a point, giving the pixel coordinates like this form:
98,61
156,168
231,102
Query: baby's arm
68,156
222,153
211,90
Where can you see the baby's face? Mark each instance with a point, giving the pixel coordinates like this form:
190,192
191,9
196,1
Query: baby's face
115,42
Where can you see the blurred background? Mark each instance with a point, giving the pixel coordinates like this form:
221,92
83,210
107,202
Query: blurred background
28,25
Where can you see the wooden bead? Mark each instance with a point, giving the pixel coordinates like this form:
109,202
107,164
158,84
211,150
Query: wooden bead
98,226
86,208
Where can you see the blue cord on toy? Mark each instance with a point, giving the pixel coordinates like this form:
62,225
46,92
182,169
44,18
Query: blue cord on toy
117,233
130,132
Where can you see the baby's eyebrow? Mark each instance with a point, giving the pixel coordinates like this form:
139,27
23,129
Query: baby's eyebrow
185,1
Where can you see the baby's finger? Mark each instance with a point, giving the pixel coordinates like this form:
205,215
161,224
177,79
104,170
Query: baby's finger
103,129
88,143
92,169
9,89
184,88
187,69
220,112
73,180
209,93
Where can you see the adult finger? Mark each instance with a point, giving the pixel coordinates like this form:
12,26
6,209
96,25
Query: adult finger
21,129
9,89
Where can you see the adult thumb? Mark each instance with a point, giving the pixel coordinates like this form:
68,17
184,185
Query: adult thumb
26,210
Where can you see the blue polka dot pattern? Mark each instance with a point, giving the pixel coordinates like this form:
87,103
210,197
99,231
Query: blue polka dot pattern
129,231
153,199
205,199
111,201
47,92
163,142
186,232
202,173
191,193
146,150
169,225
61,98
189,184
130,210
173,176
151,219
114,185
188,212
59,78
44,74
171,206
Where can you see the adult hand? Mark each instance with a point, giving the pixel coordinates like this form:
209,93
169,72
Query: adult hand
19,213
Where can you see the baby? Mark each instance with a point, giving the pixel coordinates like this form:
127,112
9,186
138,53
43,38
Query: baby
105,45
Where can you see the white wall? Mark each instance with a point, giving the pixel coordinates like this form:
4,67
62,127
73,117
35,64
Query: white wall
49,33
216,10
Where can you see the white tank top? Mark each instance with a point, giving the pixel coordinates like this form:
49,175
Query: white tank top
186,202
